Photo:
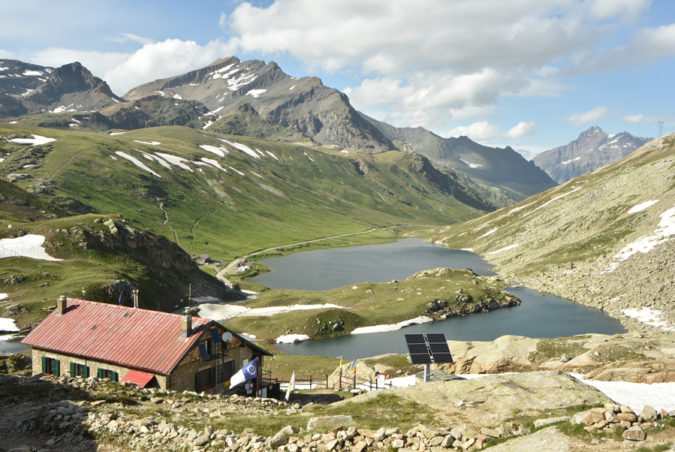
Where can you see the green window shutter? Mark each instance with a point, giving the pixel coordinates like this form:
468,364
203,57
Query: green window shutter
99,373
85,372
44,364
56,367
72,369
115,376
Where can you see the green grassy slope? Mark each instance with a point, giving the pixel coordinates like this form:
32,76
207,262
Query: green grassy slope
566,240
290,193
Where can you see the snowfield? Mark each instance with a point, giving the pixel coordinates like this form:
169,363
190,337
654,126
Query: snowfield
552,200
242,147
137,162
292,339
219,151
646,243
506,248
29,245
37,140
392,326
8,325
648,316
223,312
642,206
149,143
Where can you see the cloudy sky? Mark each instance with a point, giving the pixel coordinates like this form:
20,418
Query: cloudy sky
531,74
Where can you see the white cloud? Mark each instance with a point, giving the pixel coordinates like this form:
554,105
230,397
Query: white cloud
477,131
222,21
6,54
389,36
521,129
128,37
588,116
634,118
431,99
640,118
626,9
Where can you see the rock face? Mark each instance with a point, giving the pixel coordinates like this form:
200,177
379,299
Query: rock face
28,89
501,168
169,267
591,150
304,105
258,99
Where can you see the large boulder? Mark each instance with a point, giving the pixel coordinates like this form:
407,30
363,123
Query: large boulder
504,354
494,399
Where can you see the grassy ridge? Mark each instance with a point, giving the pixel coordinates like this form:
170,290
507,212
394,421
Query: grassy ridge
304,195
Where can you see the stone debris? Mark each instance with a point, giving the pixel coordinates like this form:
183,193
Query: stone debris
188,427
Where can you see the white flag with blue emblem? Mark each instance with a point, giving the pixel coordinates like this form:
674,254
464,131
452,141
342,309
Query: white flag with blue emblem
248,372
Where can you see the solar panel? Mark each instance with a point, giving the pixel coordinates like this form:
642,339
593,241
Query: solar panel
414,338
428,348
438,347
440,358
418,358
436,337
418,348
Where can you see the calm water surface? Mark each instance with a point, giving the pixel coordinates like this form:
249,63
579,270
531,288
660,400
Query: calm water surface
538,315
338,267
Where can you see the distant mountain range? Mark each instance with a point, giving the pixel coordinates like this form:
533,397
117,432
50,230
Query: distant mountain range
591,150
32,89
256,99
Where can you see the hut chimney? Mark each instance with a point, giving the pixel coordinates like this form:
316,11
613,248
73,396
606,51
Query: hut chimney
186,326
135,292
61,304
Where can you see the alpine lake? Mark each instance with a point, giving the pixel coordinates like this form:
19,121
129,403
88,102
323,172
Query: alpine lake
538,315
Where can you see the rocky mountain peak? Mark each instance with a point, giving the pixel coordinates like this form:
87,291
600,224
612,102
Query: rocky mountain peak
592,149
29,89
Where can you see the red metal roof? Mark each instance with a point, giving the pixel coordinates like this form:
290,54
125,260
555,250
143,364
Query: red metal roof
140,379
137,338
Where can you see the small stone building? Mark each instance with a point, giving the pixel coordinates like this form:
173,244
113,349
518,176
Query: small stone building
149,348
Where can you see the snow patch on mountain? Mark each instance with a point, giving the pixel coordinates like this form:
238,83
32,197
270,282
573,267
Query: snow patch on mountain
220,151
29,245
149,143
506,248
642,206
213,163
648,316
242,147
552,200
37,140
137,162
180,162
256,92
469,164
646,243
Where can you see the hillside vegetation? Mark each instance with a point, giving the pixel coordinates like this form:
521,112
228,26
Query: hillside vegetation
231,195
135,207
603,239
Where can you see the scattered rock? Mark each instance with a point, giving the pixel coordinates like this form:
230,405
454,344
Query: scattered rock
634,433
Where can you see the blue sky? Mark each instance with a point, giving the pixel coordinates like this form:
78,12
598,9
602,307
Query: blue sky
531,74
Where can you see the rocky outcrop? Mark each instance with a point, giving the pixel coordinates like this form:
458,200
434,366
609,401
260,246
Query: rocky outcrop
168,269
